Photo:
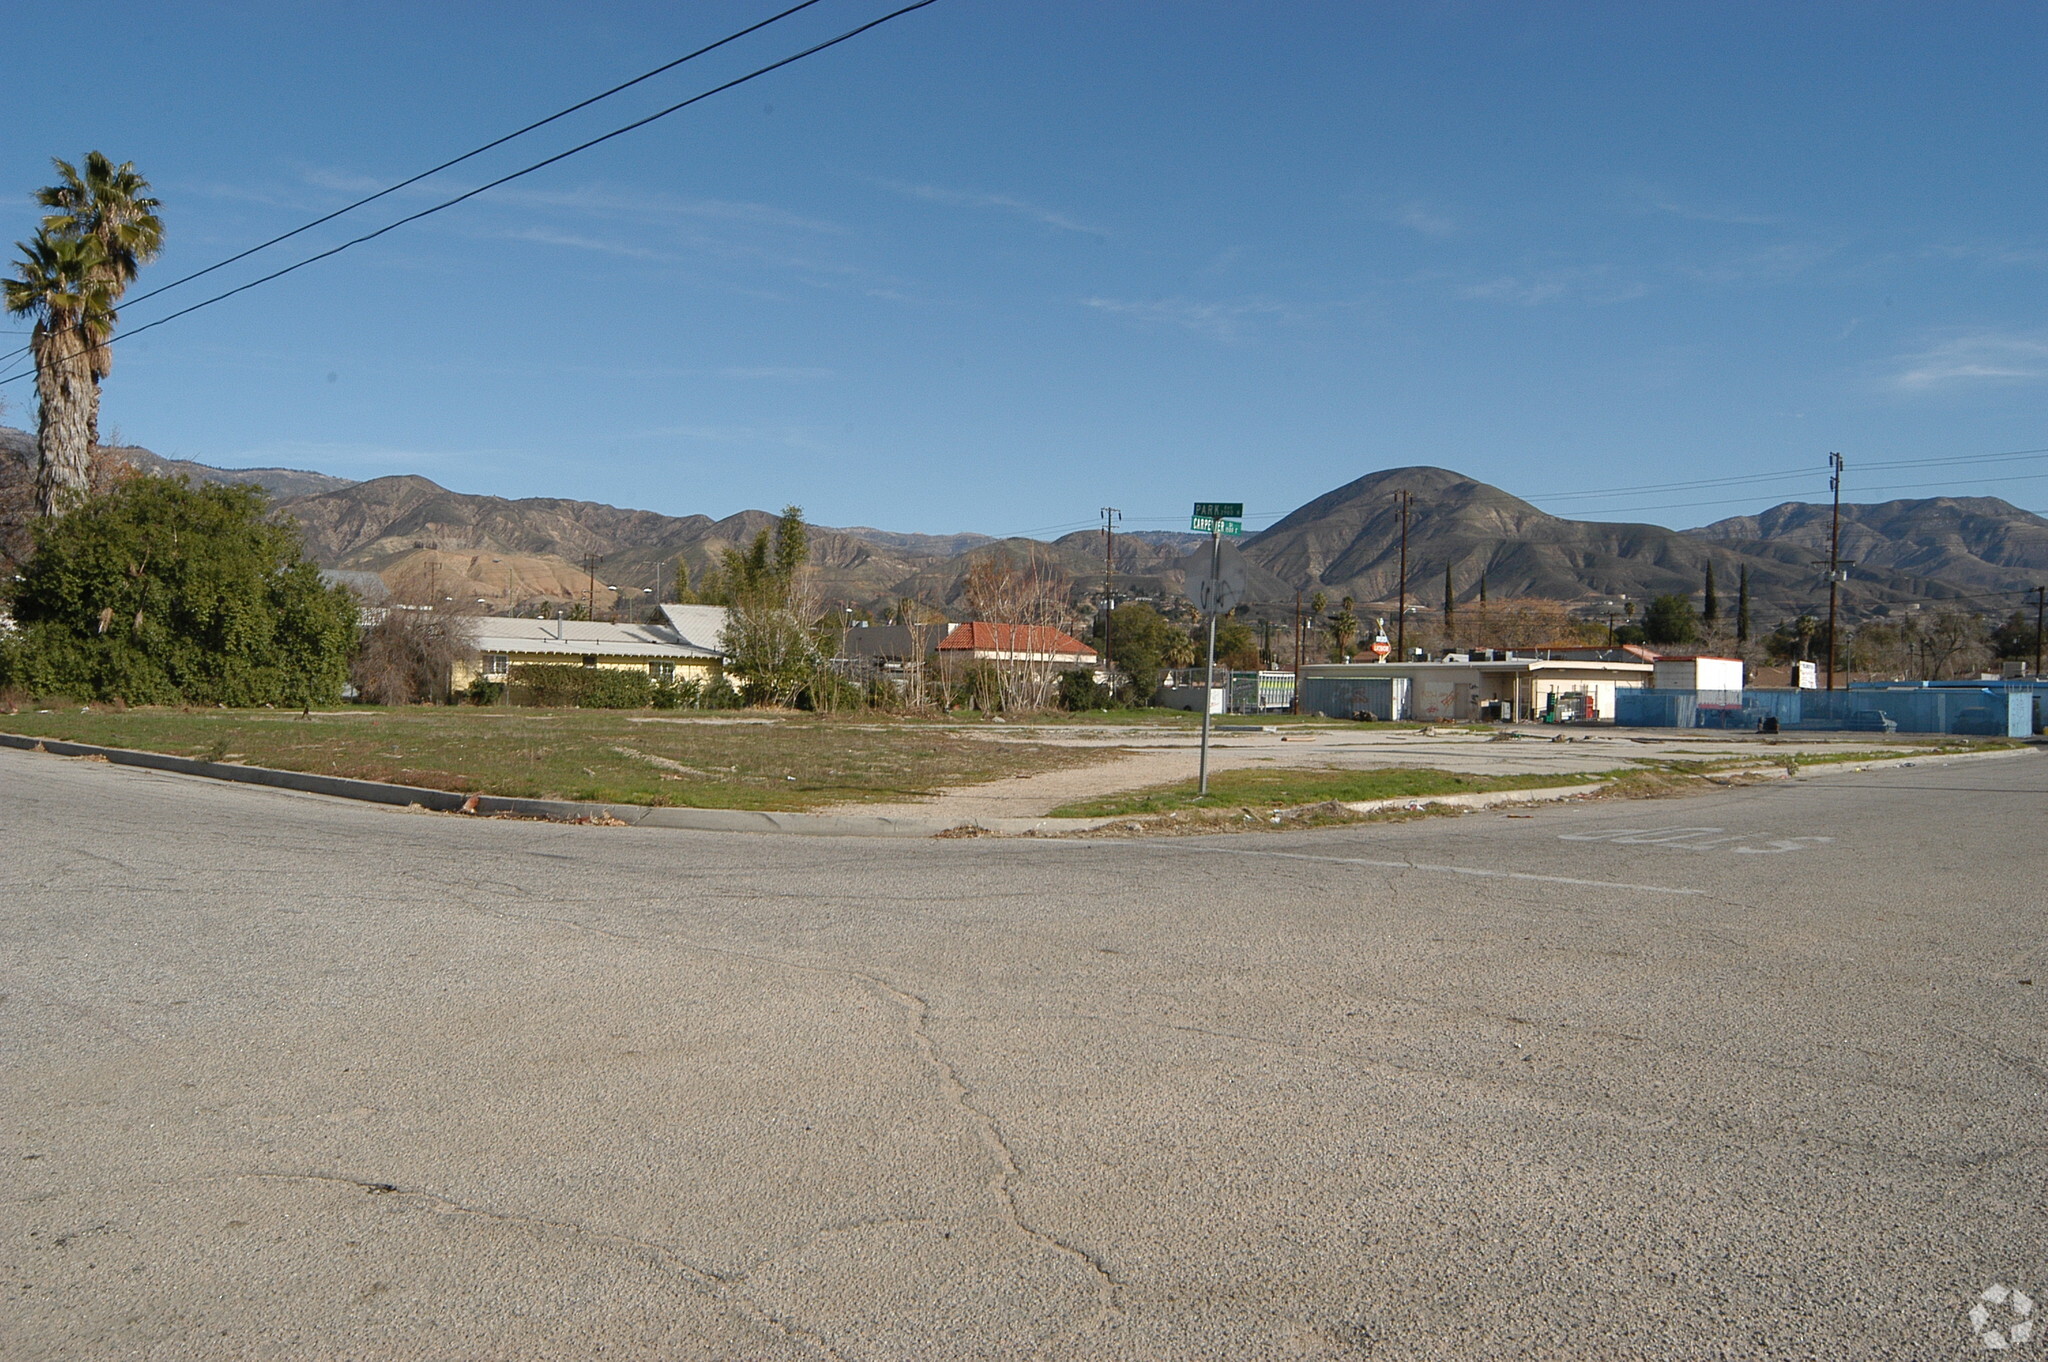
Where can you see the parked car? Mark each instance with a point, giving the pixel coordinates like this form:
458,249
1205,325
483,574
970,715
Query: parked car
1870,721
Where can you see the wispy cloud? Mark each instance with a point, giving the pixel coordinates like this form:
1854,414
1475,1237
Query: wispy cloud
1594,284
547,236
1991,253
776,437
1420,217
1979,357
1224,321
788,373
1720,214
1008,203
592,199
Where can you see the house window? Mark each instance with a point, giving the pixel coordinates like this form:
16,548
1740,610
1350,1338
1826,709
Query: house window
496,664
662,671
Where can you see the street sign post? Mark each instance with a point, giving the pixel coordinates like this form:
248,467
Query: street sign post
1215,592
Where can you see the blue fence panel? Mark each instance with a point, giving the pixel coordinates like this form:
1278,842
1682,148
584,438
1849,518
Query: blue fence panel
1983,712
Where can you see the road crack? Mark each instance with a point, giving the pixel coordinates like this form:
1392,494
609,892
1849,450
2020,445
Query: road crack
1002,1185
724,1288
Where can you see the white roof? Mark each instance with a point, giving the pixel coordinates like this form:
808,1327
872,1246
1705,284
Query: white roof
581,638
697,626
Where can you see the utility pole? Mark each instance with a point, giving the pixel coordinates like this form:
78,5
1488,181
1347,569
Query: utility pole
1401,620
1834,557
1110,515
2040,611
1297,652
590,590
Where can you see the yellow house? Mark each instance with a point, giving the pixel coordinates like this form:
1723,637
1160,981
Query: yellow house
683,648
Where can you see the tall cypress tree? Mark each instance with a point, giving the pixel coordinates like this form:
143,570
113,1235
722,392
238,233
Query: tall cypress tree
1742,605
1450,606
1710,608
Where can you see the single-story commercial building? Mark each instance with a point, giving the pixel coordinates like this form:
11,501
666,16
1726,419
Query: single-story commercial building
661,651
1516,688
1699,673
982,641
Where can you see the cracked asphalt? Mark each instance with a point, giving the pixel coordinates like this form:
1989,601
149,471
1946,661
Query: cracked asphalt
1758,1073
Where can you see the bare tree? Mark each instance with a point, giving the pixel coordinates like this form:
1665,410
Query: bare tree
1026,602
410,651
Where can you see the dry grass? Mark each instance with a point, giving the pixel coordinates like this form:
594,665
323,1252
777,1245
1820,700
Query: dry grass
791,762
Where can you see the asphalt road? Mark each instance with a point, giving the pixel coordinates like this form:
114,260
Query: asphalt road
289,1078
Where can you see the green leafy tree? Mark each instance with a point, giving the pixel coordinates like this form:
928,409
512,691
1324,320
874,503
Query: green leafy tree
2014,638
1147,643
767,637
1237,647
1670,620
160,592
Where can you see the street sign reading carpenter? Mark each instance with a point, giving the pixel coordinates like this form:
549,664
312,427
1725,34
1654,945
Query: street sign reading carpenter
1208,524
1220,510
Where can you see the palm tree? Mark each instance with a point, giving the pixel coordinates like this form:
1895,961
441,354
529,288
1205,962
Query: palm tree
61,281
112,205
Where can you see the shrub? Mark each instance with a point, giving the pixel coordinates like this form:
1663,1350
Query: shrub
828,693
562,686
160,592
484,691
1080,690
718,693
680,693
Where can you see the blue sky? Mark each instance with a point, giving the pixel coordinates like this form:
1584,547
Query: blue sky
994,266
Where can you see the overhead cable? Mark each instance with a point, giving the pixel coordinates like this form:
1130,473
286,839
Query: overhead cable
445,204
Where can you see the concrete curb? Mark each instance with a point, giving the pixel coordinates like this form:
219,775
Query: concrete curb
1485,800
552,810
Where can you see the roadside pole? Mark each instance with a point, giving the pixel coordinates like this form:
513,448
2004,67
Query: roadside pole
1213,595
1209,670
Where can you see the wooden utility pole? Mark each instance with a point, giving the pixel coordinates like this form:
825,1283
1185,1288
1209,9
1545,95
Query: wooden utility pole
1110,515
2040,611
1297,652
1834,558
1401,619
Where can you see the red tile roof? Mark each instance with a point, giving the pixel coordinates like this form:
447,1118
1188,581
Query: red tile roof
983,636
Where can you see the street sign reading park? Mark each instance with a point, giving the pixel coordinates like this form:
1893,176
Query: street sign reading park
1220,510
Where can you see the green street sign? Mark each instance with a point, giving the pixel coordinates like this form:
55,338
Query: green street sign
1219,510
1209,524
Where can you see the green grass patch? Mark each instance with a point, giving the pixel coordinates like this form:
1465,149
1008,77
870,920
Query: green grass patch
737,761
1285,787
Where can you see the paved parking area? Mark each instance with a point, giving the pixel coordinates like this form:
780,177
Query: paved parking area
1756,1073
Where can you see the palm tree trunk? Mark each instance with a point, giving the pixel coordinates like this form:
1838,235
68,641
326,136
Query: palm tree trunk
64,424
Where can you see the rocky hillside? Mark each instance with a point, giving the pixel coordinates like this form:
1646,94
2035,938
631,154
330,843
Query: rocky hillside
1345,543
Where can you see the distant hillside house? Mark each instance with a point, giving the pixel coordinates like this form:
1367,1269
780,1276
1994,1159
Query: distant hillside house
661,651
981,641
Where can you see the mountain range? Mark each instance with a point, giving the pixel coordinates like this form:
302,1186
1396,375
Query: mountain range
1979,551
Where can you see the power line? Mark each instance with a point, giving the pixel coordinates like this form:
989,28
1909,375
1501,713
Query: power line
1786,473
506,179
465,156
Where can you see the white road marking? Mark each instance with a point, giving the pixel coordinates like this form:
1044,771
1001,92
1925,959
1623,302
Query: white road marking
1694,839
1451,870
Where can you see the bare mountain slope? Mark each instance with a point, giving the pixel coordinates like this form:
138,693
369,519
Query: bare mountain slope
1973,543
1345,542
